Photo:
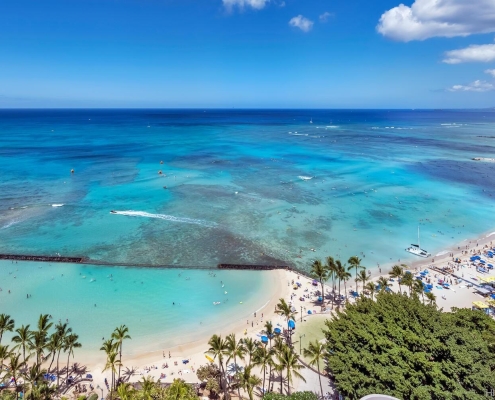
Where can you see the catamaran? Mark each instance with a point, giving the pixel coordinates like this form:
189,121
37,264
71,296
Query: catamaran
417,250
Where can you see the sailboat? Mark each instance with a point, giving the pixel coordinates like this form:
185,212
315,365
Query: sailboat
417,250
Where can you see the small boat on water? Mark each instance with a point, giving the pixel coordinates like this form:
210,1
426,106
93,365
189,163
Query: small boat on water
113,212
417,250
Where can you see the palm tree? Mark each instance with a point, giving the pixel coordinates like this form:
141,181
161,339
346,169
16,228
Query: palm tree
355,262
62,331
346,275
38,344
52,346
264,358
289,361
431,298
234,349
6,325
70,344
316,352
44,323
217,350
397,273
147,386
319,272
363,277
14,367
112,363
250,347
383,283
125,391
370,286
269,331
418,288
331,267
109,346
407,280
4,353
34,375
339,273
284,310
247,381
120,334
22,339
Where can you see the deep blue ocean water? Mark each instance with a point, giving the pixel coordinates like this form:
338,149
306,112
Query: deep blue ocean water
236,186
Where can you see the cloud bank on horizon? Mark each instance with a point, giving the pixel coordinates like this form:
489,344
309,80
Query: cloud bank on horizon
438,18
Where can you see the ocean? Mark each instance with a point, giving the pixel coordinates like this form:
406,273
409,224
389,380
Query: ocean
194,188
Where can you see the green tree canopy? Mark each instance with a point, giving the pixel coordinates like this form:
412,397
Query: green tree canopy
399,346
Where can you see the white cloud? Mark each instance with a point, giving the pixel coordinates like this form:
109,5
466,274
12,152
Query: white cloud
324,17
302,23
476,86
473,53
432,18
256,4
490,72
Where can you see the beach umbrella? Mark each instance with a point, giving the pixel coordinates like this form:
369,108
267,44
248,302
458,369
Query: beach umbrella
310,312
209,358
277,331
264,339
291,324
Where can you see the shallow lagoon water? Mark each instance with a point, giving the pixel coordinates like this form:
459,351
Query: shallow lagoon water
96,299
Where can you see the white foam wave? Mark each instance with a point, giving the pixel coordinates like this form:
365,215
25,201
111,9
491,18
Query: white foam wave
491,234
441,253
57,205
298,134
331,126
305,178
166,217
9,224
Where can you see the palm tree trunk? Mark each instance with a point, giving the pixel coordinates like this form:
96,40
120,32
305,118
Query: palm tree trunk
53,358
281,381
58,357
264,377
238,388
319,377
120,360
224,385
269,377
68,358
322,292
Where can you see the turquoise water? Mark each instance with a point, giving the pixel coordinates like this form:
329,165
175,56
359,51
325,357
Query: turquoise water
236,187
141,298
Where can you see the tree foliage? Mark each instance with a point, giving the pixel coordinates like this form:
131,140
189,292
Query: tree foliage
399,346
293,396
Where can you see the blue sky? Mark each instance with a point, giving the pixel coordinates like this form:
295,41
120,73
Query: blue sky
247,53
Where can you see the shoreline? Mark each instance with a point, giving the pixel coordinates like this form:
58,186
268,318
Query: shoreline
280,287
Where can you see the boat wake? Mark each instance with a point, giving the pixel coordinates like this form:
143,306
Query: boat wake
166,218
57,205
305,178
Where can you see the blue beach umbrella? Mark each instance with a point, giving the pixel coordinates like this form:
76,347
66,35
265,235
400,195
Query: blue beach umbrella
264,339
291,324
277,331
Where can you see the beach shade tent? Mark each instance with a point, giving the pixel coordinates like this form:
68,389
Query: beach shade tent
474,258
354,293
490,266
479,305
291,324
264,339
277,331
315,282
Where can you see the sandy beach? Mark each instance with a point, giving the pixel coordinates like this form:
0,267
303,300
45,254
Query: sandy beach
168,363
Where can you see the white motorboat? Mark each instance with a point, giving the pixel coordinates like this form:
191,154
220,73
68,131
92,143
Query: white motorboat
417,250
